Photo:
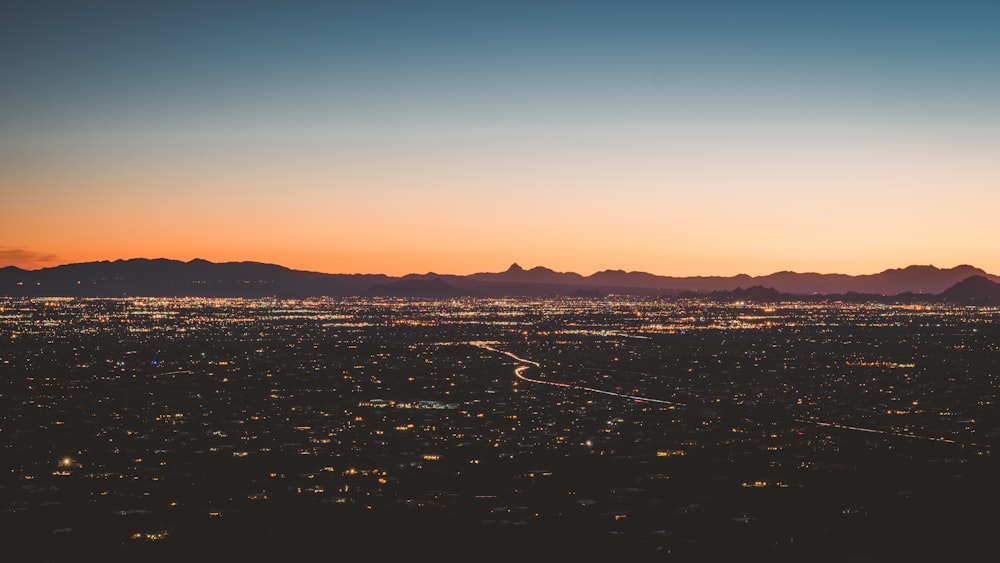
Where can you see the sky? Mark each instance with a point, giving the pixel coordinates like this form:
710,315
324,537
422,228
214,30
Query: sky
700,137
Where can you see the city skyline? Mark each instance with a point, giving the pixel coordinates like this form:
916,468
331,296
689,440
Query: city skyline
674,138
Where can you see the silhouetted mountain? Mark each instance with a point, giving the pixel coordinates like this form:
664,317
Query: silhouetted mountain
975,290
168,278
760,294
537,274
757,293
916,279
416,288
621,278
201,278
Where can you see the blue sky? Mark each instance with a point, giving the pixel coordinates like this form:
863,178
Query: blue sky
741,111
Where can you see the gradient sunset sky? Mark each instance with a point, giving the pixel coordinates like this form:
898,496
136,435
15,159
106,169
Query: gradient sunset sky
675,137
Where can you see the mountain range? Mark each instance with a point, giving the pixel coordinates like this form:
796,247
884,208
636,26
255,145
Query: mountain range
201,278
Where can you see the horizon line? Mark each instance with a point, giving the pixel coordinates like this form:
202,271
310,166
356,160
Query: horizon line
742,274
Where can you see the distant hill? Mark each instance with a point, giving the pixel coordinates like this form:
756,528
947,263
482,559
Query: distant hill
757,293
173,278
914,279
201,278
976,290
535,275
761,294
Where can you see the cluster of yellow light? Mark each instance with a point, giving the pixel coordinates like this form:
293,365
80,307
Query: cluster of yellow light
383,403
414,322
150,536
762,484
881,364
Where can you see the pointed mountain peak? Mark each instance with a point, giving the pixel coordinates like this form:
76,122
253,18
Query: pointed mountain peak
515,267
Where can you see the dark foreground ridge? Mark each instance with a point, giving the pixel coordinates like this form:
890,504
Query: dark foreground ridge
200,278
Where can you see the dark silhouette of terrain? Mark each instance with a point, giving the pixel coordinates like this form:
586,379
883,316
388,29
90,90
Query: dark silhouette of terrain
201,278
976,290
434,287
169,278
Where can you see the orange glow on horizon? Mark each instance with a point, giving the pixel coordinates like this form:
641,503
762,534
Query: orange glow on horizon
767,210
686,142
398,265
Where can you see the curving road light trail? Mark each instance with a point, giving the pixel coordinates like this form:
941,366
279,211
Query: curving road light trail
519,373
